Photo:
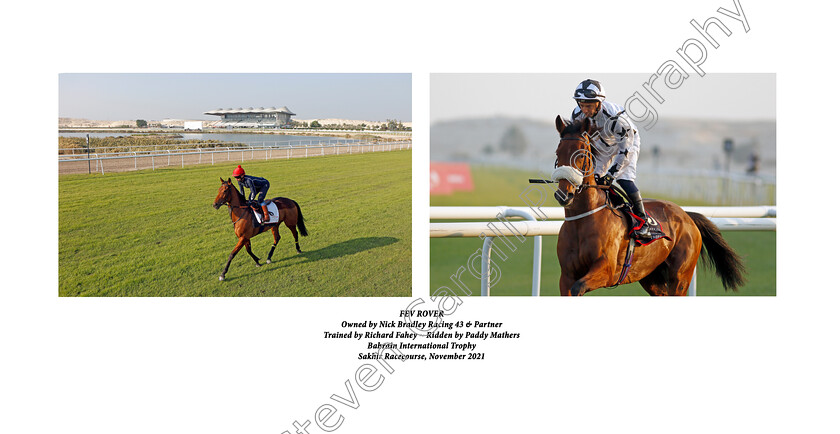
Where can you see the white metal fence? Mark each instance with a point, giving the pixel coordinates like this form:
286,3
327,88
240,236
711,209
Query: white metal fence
719,188
758,218
208,145
158,157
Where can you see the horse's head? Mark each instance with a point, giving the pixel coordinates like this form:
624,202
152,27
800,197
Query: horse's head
575,164
225,195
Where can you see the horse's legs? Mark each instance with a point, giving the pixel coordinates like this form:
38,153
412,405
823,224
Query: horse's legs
654,286
597,277
275,230
683,260
684,281
248,249
673,276
236,250
291,226
675,281
566,284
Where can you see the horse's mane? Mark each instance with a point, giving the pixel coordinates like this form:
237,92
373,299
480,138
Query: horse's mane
236,190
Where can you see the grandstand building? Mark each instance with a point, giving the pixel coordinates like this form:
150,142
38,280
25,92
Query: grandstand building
252,118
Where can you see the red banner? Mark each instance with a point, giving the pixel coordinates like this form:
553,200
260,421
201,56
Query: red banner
446,178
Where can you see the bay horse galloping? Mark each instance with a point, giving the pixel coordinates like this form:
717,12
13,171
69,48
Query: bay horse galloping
594,240
246,227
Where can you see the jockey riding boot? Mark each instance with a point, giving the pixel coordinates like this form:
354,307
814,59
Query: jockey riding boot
639,210
266,217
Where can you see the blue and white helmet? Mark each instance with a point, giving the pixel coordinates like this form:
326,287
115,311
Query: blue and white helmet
590,90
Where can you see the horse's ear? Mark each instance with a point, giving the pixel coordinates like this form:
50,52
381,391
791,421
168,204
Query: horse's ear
220,179
559,124
229,181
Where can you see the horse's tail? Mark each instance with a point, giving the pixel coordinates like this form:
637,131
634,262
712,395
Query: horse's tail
300,225
727,264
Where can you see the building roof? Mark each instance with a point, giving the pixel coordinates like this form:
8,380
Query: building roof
221,111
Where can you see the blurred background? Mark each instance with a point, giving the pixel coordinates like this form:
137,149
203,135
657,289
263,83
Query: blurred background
714,143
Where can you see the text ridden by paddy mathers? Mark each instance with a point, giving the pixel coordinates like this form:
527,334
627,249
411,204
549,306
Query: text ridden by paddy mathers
421,335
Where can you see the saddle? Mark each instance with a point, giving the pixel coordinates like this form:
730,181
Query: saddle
256,207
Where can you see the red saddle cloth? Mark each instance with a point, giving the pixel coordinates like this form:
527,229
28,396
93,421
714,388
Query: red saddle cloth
620,201
655,230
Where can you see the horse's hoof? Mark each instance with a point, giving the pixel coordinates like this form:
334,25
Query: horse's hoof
259,265
221,278
268,261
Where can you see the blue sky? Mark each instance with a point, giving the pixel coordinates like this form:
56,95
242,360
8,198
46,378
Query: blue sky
374,97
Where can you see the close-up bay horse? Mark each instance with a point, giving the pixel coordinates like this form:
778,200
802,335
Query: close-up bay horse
245,225
594,240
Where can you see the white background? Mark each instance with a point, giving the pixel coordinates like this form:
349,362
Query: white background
595,365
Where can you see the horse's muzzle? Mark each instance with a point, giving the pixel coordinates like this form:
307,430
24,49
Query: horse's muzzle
564,199
216,205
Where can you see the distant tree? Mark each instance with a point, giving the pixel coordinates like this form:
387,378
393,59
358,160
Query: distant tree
314,124
141,123
513,141
488,149
395,125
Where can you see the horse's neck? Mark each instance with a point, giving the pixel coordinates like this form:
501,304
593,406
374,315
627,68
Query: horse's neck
589,199
237,203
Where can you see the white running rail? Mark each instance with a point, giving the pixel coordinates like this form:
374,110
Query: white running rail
741,218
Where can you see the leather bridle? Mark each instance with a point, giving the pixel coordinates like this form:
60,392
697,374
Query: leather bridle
588,154
231,207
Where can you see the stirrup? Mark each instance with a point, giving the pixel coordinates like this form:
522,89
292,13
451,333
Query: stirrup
644,231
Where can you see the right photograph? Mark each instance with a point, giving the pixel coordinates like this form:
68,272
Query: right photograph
608,184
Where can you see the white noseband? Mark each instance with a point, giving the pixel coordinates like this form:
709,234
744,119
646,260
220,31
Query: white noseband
568,173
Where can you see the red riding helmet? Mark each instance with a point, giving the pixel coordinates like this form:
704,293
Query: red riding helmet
239,171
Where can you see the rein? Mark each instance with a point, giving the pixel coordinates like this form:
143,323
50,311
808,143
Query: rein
230,208
586,214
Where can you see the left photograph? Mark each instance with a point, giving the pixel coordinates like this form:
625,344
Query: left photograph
234,185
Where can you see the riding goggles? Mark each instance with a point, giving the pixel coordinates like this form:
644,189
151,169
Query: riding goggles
586,93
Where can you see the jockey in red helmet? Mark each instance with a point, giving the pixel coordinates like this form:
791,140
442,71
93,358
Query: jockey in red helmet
258,187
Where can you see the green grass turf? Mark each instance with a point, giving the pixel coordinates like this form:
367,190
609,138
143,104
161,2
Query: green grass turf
499,186
155,233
